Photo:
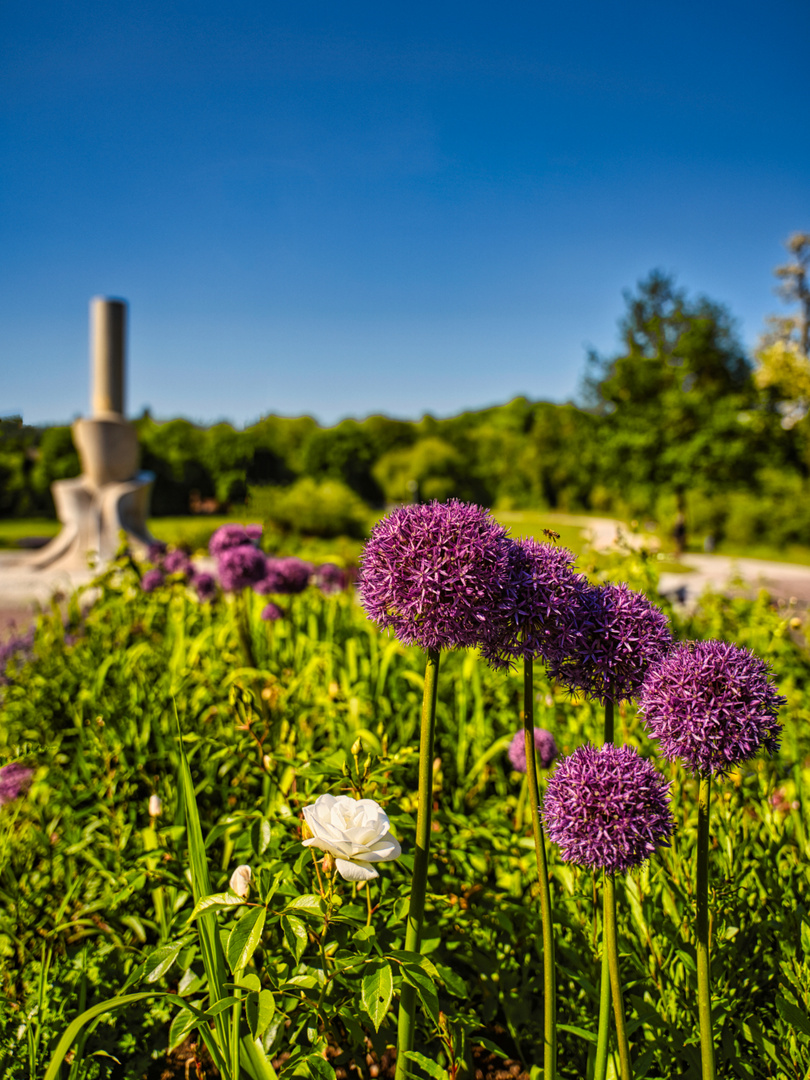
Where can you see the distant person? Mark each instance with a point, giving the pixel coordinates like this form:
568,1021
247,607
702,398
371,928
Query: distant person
708,544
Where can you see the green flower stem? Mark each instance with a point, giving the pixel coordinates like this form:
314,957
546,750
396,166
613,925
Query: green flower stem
603,1033
416,909
235,1018
612,949
702,926
549,980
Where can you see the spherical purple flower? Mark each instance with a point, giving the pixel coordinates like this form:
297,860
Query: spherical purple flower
435,573
241,566
271,612
330,578
151,580
288,575
232,535
619,635
15,779
206,586
712,705
543,620
607,808
544,744
156,551
177,562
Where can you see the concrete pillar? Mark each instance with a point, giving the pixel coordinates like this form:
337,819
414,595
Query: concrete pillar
108,331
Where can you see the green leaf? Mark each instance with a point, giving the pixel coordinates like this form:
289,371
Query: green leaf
493,1048
73,1029
309,904
415,959
425,988
295,935
581,1033
215,900
376,992
432,1068
793,1016
260,1008
160,960
245,937
181,1025
251,982
453,981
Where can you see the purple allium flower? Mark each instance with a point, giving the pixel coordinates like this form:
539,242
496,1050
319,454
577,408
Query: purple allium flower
543,621
206,586
156,551
435,573
607,808
177,562
330,578
544,744
15,779
712,705
620,634
241,566
271,612
287,575
231,536
151,579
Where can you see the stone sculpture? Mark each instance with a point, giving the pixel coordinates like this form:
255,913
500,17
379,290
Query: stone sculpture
111,495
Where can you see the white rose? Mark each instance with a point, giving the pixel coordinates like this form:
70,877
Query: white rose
355,831
240,880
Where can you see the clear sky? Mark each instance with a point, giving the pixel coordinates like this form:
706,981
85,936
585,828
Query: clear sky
334,208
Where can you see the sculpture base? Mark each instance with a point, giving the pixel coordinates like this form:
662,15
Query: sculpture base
93,518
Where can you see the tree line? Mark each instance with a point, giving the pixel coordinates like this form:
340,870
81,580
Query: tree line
678,420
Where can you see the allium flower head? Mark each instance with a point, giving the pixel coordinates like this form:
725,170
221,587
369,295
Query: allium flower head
435,573
151,580
607,808
177,562
156,551
330,578
206,586
286,576
271,612
544,744
241,566
620,634
542,621
231,536
15,780
712,705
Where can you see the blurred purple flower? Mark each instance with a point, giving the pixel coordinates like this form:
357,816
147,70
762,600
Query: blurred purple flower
288,575
620,634
151,580
232,536
271,612
15,779
543,619
21,647
206,586
156,551
712,705
241,566
544,743
435,573
177,562
607,808
330,578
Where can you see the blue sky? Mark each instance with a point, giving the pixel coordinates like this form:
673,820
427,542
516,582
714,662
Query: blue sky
339,209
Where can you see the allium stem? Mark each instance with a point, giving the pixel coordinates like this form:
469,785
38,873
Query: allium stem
612,949
416,909
549,980
702,927
603,1032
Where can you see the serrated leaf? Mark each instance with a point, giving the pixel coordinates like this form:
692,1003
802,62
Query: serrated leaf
376,992
215,900
309,904
425,988
295,935
159,961
432,1068
260,1008
245,937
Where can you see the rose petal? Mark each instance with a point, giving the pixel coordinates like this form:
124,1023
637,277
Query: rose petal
383,850
355,871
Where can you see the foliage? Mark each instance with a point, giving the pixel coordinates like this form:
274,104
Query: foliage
310,507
